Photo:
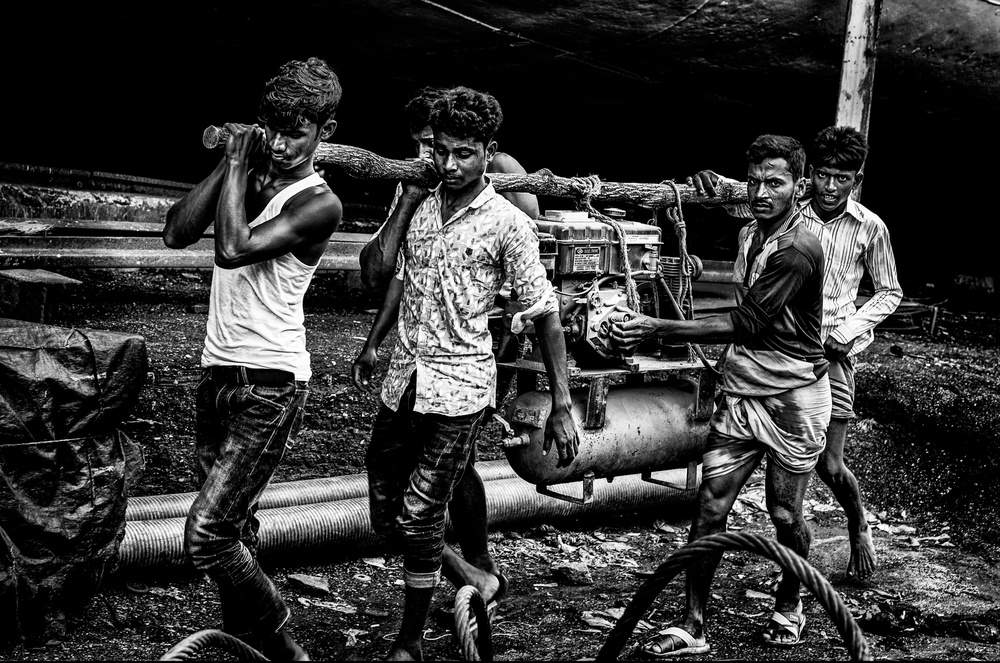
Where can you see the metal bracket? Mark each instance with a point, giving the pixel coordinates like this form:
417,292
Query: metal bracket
587,491
692,478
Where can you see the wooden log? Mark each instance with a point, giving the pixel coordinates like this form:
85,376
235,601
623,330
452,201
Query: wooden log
363,164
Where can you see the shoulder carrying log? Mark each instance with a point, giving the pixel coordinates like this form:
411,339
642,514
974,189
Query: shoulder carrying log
362,164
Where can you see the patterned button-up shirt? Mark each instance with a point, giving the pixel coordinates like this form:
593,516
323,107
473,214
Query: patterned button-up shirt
451,272
853,243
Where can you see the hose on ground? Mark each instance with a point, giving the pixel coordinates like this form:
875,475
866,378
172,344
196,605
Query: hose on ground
346,524
290,493
194,643
789,561
472,625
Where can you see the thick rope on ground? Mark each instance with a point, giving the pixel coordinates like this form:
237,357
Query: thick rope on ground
789,561
194,643
472,625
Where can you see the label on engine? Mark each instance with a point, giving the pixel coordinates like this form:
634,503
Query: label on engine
587,259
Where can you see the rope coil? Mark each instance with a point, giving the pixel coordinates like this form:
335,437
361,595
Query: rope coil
472,624
789,561
194,643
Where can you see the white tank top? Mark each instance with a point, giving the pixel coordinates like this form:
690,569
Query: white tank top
255,316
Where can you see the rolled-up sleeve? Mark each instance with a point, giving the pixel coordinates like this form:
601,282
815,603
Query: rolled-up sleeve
521,262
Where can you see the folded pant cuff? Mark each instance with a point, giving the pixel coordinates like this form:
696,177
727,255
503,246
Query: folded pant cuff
422,580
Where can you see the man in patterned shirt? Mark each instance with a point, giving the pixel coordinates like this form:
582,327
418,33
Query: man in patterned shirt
463,240
378,257
855,243
775,393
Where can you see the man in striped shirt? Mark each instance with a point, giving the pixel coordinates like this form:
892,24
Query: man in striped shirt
855,243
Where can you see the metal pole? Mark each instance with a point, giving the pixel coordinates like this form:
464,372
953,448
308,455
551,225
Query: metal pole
857,72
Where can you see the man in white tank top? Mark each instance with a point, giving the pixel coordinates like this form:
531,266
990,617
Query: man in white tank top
273,217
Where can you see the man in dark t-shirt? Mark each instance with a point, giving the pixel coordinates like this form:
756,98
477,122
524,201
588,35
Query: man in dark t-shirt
775,392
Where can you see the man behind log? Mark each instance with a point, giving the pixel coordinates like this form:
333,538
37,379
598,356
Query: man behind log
378,257
461,242
856,244
378,265
273,218
775,392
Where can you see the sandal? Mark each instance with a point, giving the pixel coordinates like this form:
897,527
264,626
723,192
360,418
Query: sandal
792,623
500,593
691,644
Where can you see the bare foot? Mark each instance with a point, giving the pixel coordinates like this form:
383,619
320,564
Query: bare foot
863,559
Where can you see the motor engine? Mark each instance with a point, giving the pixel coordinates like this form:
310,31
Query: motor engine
583,258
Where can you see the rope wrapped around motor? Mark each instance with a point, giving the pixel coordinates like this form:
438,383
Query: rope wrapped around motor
586,189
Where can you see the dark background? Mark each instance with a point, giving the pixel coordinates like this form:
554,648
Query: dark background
626,90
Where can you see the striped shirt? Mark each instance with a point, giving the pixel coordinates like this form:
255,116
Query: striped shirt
855,242
451,273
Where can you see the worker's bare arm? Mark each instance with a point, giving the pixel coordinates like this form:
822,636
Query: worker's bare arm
526,202
378,257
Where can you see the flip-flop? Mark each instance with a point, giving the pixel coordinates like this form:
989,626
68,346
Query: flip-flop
692,645
500,593
783,621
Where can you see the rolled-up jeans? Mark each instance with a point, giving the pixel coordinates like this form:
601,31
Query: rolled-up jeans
414,462
245,420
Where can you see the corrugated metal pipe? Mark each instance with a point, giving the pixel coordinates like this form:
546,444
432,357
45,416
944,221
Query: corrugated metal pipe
344,523
291,493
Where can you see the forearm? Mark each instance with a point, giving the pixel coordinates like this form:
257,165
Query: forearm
378,257
386,316
715,329
232,233
553,346
189,217
880,266
870,315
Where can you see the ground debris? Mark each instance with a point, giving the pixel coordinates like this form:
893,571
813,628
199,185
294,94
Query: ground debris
337,606
575,573
314,584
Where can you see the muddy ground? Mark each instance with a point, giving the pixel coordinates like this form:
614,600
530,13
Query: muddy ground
923,449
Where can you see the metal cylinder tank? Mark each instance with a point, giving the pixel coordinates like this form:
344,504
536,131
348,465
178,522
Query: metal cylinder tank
647,427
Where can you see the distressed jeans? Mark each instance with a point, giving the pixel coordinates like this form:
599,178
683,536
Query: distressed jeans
243,428
414,462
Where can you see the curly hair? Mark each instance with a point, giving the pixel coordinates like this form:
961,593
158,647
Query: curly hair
417,111
462,112
307,91
844,148
770,146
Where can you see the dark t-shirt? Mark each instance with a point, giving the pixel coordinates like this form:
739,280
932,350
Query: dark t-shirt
777,344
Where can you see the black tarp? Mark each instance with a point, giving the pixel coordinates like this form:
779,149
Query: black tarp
65,467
